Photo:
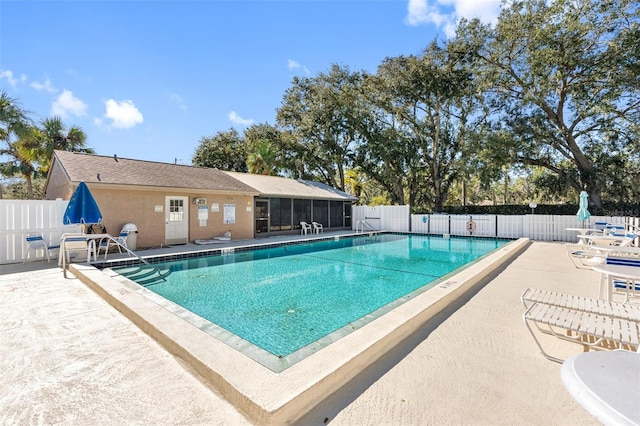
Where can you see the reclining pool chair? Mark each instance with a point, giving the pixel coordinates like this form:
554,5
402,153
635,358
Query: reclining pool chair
591,323
598,249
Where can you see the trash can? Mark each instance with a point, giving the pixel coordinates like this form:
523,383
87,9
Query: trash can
132,235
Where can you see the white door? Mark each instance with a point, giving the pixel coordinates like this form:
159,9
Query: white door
176,220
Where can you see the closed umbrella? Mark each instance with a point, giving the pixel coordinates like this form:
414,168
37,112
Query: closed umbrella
583,213
82,207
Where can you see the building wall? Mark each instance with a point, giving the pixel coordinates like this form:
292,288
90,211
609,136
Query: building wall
122,206
58,184
146,209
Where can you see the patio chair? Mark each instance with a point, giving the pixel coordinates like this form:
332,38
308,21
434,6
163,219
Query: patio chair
119,242
77,244
588,329
305,228
36,242
317,227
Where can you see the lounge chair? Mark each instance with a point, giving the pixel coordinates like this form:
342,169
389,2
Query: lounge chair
594,249
36,242
317,227
580,303
577,322
215,240
305,228
592,255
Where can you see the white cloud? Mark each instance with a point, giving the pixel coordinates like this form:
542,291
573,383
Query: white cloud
66,104
46,86
8,75
236,119
445,14
294,65
123,114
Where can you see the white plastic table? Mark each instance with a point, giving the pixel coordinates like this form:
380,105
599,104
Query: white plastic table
606,384
609,272
585,231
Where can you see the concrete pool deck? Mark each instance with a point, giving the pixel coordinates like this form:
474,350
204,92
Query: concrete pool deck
69,357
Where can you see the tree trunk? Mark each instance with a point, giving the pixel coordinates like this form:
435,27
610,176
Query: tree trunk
29,186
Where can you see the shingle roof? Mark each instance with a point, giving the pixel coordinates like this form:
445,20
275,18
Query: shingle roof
123,171
276,186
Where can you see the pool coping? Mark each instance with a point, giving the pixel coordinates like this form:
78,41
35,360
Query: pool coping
266,397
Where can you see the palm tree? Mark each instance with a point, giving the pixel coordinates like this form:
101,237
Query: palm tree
263,159
20,140
13,118
357,184
23,156
55,136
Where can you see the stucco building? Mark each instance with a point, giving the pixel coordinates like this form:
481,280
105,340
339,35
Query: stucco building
175,204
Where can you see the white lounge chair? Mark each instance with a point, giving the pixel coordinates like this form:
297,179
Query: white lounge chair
580,324
580,303
215,240
594,249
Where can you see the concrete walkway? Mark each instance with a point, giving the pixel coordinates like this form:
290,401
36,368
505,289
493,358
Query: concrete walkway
67,357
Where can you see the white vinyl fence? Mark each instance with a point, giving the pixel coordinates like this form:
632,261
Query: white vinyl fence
19,218
534,226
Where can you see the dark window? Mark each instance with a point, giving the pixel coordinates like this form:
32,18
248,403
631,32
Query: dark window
301,212
321,212
347,214
336,218
280,214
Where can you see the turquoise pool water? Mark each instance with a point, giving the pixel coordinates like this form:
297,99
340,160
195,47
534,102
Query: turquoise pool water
285,298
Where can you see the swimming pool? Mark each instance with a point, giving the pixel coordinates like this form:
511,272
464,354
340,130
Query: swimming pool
278,305
264,395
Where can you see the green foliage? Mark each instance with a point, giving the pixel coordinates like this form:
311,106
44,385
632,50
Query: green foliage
561,80
224,151
318,113
17,189
606,209
27,148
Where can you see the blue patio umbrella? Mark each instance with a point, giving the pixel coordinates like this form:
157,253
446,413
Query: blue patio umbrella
82,207
583,213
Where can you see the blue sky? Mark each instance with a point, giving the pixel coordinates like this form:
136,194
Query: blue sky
148,79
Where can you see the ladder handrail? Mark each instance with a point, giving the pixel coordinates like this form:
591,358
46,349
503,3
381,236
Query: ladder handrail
91,241
363,223
136,255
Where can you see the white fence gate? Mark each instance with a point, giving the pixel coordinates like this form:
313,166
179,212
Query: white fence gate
19,218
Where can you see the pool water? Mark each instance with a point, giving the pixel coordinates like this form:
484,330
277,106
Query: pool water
285,298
